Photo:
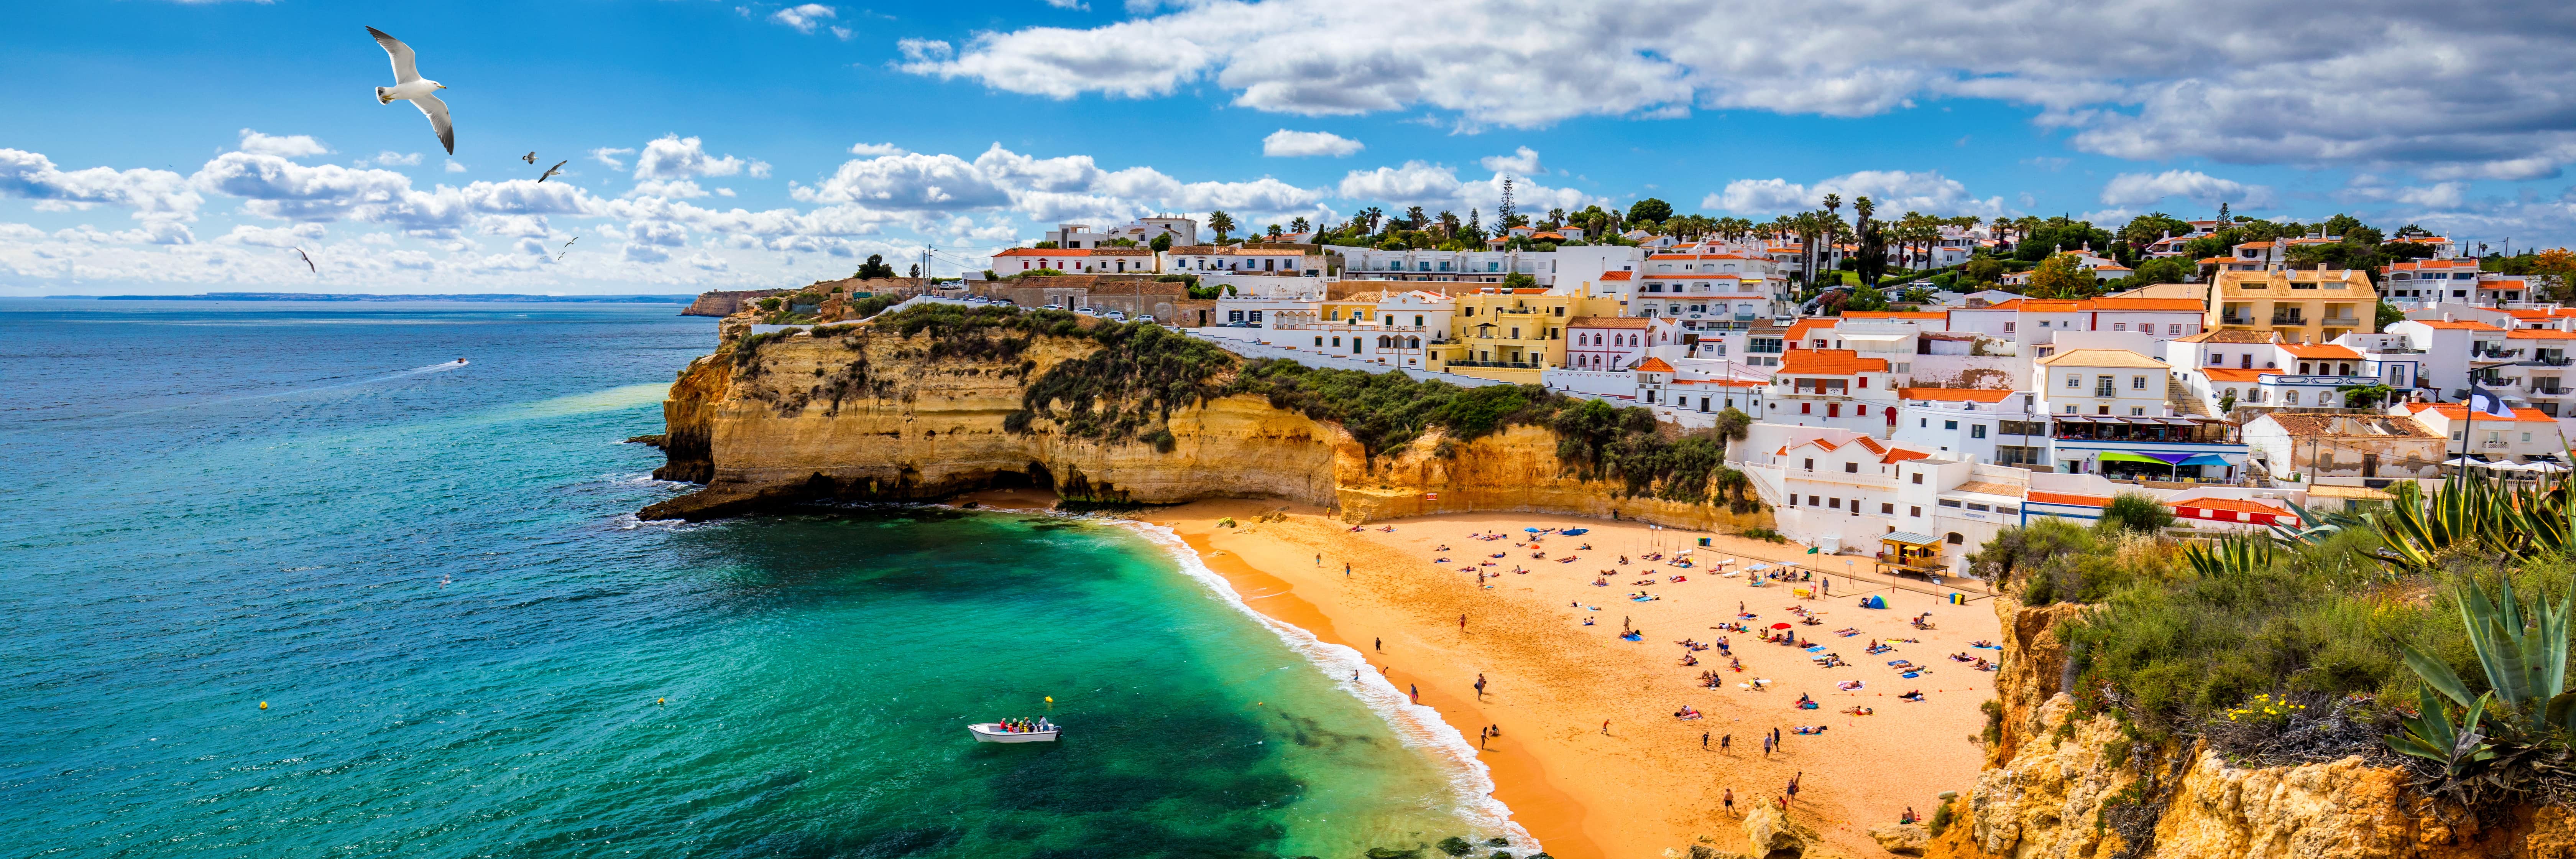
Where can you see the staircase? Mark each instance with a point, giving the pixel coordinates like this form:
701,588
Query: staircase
2184,404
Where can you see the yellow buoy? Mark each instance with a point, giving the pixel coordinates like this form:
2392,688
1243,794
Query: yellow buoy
660,700
263,705
1050,699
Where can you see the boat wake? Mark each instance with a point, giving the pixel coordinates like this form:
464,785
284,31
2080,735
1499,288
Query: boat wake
1414,724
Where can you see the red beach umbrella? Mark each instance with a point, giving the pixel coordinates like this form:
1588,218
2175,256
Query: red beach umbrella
1779,626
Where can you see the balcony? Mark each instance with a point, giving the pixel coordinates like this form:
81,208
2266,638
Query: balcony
2494,445
2494,354
2341,322
1508,365
2235,320
2548,362
2291,321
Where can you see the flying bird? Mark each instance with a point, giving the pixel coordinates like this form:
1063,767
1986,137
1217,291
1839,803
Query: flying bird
530,158
567,245
550,171
308,261
410,86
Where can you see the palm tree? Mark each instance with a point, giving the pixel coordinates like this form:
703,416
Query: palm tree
1448,223
1371,216
1414,219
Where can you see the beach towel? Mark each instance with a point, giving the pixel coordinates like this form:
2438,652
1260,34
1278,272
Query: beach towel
1911,675
1816,649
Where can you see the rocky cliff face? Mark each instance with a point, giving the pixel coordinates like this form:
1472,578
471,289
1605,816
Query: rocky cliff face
862,413
2061,786
722,303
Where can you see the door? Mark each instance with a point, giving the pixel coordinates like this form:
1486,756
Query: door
2370,465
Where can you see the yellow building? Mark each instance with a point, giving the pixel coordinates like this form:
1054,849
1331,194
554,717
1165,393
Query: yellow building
2303,306
1512,334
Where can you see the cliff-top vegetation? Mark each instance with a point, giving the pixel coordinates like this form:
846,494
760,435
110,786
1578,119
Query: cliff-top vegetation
1127,390
2390,634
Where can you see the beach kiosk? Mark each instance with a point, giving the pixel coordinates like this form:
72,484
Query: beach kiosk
1903,552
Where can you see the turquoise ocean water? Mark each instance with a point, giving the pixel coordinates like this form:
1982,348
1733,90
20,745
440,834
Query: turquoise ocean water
431,577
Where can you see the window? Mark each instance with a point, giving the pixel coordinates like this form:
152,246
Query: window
1806,408
1923,423
2119,326
2137,383
2070,409
1918,478
1949,503
2008,510
2104,386
1811,463
2216,359
1916,512
2526,436
2074,381
1851,468
2290,398
1319,341
1835,503
2174,328
2008,328
1980,508
1976,430
2137,411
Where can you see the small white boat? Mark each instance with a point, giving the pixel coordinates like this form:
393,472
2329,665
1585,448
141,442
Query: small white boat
991,732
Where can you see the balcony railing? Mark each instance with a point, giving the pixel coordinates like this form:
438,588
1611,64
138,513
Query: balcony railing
2495,445
1508,365
2494,353
2550,362
2342,322
2288,320
2235,320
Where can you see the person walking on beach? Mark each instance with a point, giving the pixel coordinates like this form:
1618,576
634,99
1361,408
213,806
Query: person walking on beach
1730,800
1346,571
1766,747
1793,791
1462,624
1319,559
1605,727
1415,691
1724,743
1703,740
1379,644
1480,686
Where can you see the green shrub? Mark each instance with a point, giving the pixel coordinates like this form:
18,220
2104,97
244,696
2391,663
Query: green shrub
2136,511
1941,818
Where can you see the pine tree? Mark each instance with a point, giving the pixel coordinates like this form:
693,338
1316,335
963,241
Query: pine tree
1503,213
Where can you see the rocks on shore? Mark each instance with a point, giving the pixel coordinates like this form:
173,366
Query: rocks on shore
1902,839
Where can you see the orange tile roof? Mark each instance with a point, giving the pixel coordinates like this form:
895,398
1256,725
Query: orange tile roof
2321,350
2527,314
2214,260
1901,455
2538,334
2193,305
1798,330
2039,305
1032,252
1872,444
1609,322
1654,365
2068,500
1615,275
2454,324
2231,374
2231,505
1895,314
1953,395
1840,362
2456,411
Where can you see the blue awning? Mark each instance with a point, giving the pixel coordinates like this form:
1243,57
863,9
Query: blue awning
2206,459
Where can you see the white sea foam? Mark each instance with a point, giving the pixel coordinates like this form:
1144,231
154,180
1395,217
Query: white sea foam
1415,725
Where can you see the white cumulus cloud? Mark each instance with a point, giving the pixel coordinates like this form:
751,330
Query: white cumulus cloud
806,17
1299,144
2143,189
289,146
1892,191
1523,160
676,157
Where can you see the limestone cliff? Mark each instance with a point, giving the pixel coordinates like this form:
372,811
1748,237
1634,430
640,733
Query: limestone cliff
722,303
2058,785
865,413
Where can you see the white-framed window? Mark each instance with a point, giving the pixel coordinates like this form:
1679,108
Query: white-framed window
2074,380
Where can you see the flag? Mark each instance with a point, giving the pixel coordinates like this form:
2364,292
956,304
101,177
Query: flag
1811,550
2486,402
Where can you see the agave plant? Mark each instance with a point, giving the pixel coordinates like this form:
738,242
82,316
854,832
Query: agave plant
2317,526
2430,735
2232,556
2472,514
2525,662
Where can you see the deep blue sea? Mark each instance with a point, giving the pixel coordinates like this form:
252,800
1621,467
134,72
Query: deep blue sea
468,647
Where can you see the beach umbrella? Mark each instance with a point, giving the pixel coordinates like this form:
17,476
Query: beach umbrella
2503,465
1531,530
2544,466
1779,626
2459,461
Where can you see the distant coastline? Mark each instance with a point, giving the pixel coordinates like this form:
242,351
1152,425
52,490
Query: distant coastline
353,296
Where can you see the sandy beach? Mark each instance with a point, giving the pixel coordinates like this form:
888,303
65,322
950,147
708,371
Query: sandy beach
1646,783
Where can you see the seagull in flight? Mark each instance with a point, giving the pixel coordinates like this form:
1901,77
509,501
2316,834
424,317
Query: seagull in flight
550,171
530,158
567,245
308,261
410,86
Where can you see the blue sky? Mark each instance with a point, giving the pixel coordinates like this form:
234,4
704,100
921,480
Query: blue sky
186,147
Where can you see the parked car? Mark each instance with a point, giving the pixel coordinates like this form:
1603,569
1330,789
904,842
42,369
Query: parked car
1051,307
1115,314
1145,317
